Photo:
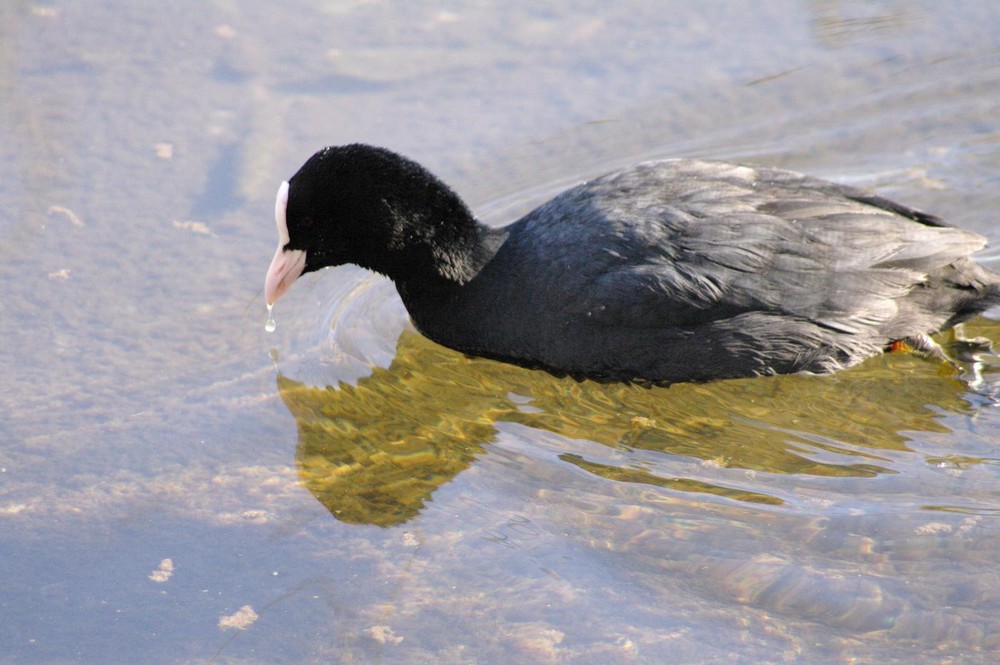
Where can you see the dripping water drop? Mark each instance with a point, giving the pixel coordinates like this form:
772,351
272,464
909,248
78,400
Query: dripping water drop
270,325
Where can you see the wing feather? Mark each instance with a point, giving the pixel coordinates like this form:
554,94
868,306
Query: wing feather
755,240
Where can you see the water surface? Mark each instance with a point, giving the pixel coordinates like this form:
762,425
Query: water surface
179,486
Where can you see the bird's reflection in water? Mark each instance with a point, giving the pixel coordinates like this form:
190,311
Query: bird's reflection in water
374,452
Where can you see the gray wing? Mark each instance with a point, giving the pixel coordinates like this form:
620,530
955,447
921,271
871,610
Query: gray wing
684,243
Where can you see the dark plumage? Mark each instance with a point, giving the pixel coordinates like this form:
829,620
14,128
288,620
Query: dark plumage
675,270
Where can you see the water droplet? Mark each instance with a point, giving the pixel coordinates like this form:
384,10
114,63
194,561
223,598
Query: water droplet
270,325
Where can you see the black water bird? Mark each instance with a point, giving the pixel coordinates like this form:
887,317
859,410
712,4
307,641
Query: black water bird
667,271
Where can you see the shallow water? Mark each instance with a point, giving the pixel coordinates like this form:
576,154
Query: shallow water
179,486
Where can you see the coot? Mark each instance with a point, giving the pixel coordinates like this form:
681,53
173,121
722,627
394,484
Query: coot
667,271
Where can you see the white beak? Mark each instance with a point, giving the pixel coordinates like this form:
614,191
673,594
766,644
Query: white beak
287,265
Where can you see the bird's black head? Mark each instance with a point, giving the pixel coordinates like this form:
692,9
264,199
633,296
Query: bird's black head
374,208
337,210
